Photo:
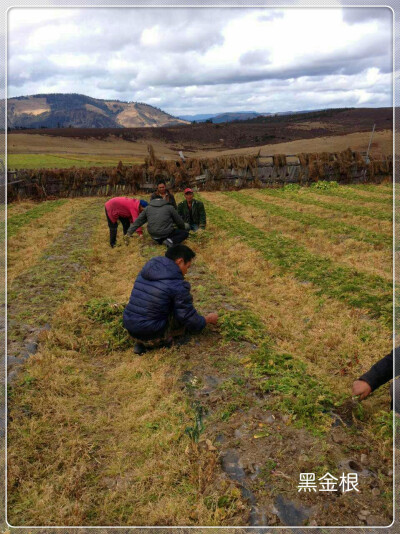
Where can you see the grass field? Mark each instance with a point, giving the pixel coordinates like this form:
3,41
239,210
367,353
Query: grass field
32,151
59,161
215,432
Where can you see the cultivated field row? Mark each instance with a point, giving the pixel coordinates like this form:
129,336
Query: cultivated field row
99,436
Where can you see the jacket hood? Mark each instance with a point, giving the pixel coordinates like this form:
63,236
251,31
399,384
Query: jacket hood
157,202
161,268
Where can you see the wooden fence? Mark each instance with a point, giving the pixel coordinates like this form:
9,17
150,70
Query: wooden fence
210,174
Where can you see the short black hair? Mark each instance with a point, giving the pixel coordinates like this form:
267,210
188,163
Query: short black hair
180,251
161,181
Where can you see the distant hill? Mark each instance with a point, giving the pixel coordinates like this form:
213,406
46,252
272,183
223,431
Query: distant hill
218,118
79,111
229,116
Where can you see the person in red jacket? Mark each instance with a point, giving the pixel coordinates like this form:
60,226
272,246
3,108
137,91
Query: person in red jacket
126,210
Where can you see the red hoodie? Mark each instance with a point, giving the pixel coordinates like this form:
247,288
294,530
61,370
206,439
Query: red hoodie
123,207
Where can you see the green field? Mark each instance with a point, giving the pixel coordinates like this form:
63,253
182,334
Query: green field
59,161
217,431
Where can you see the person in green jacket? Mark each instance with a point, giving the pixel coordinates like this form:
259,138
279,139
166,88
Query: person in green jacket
192,211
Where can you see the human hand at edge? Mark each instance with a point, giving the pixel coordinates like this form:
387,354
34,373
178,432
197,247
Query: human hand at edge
361,389
187,227
212,318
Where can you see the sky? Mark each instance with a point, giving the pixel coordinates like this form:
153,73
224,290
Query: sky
205,60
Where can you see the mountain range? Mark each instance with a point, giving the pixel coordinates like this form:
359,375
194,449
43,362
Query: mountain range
217,118
65,110
60,110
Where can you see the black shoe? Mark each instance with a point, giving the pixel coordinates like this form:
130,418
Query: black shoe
183,340
139,348
167,343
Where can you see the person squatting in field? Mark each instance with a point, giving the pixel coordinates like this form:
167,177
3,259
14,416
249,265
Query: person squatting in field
161,305
192,211
380,373
127,211
161,218
164,193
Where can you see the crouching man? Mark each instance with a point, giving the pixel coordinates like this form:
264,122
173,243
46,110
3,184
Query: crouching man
161,218
192,211
160,305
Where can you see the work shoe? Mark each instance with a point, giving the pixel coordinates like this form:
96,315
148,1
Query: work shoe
139,349
183,340
167,343
168,242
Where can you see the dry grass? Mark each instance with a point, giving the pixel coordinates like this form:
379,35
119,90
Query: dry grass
20,207
375,225
332,200
24,249
103,442
323,332
349,252
96,435
110,148
382,144
113,147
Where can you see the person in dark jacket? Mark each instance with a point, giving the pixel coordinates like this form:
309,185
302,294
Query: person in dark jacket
123,209
164,193
380,373
192,211
161,302
161,218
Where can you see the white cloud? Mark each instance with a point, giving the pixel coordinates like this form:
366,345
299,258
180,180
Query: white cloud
205,60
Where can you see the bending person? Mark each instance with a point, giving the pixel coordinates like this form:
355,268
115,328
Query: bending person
192,211
161,218
123,209
160,303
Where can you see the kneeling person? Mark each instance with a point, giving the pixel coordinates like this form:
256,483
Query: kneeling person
192,211
161,303
161,218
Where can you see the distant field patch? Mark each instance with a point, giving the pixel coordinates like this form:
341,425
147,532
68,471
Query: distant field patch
58,161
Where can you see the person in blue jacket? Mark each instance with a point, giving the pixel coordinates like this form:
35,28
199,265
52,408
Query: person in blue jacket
161,303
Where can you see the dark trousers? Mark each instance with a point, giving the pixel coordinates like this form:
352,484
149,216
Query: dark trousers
172,329
114,227
176,236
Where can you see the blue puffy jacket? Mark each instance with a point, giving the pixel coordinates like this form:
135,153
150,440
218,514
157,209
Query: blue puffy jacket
160,290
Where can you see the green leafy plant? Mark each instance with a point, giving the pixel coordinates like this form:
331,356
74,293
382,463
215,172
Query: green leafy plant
324,185
241,325
109,313
194,432
291,188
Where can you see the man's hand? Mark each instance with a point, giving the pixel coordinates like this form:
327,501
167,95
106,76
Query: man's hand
141,236
126,239
187,227
212,318
361,389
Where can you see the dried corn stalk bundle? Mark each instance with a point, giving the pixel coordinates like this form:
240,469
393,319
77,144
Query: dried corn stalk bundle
279,160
